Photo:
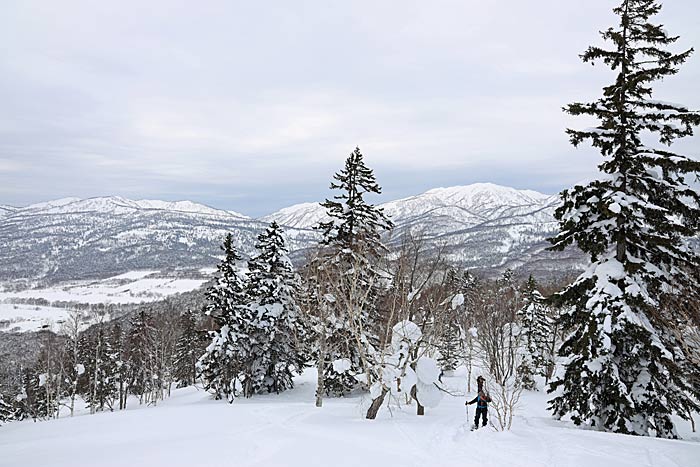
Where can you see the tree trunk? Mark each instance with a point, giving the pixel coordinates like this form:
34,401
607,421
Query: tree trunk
376,405
320,381
420,410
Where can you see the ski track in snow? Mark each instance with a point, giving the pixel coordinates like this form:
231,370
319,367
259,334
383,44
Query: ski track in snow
191,429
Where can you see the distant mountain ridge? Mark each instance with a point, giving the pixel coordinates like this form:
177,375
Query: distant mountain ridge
481,226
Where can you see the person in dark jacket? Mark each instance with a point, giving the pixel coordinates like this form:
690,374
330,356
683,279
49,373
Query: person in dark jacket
481,400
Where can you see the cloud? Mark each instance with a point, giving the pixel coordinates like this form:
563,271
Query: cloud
253,106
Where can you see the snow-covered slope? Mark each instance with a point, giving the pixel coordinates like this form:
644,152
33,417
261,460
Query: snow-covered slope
300,216
118,205
5,209
190,430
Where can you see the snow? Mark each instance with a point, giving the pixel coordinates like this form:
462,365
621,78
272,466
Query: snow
120,205
190,429
405,331
138,288
24,318
427,370
302,216
428,394
342,365
457,300
133,275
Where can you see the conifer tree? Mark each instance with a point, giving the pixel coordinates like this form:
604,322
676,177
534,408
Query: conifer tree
121,365
451,348
354,224
353,240
275,326
96,352
31,403
7,411
187,350
534,325
219,366
625,370
140,354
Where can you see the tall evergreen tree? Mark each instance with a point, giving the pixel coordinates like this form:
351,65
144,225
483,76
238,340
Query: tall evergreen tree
625,370
534,324
31,401
99,372
187,350
354,224
116,340
353,240
275,326
451,347
227,305
140,354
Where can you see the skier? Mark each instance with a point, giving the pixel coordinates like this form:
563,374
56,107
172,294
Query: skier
482,399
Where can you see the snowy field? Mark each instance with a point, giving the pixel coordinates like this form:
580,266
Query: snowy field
23,318
190,429
129,288
144,290
111,290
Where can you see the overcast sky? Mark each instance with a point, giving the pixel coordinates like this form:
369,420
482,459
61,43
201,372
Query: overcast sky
252,106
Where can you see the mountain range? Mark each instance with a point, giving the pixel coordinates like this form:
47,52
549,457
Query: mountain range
482,226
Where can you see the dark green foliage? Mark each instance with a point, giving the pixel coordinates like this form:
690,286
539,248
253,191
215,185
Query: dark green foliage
352,238
7,411
534,325
99,390
139,358
627,371
31,401
451,348
188,349
354,223
275,326
227,305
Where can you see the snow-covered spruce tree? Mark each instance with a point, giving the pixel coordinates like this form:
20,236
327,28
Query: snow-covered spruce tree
352,238
275,325
534,325
116,339
451,348
355,224
31,401
625,370
187,350
227,305
140,344
7,411
99,370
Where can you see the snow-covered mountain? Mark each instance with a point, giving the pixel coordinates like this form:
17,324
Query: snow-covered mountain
5,210
480,226
74,238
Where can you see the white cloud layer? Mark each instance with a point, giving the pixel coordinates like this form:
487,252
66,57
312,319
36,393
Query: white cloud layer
253,105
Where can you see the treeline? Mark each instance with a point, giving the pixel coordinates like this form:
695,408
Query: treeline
144,355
